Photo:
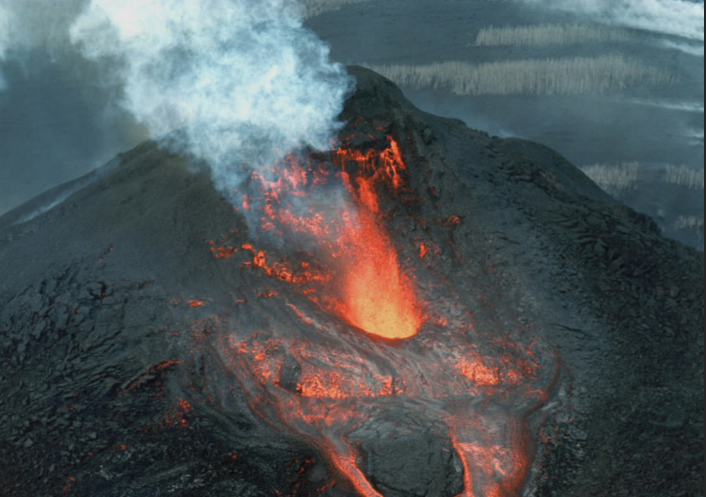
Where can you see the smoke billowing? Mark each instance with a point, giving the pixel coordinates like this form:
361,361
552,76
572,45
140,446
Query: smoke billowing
240,80
226,81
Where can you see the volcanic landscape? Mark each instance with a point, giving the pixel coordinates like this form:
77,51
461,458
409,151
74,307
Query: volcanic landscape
424,310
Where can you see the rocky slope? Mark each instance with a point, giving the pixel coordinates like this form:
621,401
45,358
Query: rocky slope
115,303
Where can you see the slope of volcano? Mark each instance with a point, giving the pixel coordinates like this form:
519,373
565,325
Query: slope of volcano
161,338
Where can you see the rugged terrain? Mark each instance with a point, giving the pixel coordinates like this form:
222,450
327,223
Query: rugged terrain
116,303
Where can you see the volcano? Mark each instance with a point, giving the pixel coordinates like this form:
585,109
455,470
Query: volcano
424,310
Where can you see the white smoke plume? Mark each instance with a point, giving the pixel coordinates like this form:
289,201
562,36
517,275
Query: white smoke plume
239,81
684,18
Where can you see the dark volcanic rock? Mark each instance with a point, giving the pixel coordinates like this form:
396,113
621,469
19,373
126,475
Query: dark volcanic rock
111,382
425,455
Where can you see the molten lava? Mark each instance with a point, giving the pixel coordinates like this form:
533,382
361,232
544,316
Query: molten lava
304,369
373,292
376,296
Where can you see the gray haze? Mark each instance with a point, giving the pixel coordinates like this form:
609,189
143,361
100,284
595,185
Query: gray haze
59,117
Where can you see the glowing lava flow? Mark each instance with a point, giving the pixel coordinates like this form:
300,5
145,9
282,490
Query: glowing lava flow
376,297
373,293
304,370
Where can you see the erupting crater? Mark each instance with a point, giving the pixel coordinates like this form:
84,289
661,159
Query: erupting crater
336,212
351,338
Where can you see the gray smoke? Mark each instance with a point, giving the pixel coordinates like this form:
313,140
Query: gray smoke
232,81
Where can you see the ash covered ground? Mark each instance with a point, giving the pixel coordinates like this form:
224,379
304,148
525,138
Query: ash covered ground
115,303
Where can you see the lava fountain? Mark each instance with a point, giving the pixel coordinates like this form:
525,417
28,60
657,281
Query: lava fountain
341,336
373,293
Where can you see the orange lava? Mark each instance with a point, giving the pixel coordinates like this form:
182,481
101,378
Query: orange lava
478,372
373,292
490,470
338,384
346,463
376,297
305,372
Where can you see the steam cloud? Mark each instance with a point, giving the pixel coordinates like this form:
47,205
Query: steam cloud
683,18
240,80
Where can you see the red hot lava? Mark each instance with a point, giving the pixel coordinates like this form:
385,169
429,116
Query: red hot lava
373,292
305,369
377,297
